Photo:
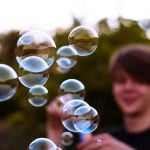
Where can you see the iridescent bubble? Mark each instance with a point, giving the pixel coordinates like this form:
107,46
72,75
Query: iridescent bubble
87,119
42,144
66,138
71,89
84,39
29,79
36,43
34,64
38,95
66,57
8,82
68,116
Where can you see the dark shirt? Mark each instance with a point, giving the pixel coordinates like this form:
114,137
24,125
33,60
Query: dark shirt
140,141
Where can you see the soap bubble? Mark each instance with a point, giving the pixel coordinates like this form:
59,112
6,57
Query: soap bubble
66,138
38,95
66,57
34,64
68,115
8,82
36,43
87,119
84,39
29,79
71,89
42,144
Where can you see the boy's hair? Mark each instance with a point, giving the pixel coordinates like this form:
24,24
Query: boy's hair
134,60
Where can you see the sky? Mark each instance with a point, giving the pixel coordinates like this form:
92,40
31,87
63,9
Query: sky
52,14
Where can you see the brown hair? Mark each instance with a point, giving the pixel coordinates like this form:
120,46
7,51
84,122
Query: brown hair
134,60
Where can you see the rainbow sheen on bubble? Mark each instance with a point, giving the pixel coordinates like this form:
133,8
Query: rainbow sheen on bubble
38,95
84,40
42,144
36,43
8,82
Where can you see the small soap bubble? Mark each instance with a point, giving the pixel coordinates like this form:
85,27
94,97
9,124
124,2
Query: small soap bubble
42,144
71,89
87,119
68,115
84,39
38,95
66,57
66,138
8,82
36,43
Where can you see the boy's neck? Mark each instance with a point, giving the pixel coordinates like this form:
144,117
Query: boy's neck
137,123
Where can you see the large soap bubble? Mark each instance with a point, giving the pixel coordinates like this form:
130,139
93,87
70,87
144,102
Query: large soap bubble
8,82
36,43
84,39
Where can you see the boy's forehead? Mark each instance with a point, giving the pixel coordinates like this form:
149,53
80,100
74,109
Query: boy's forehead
122,73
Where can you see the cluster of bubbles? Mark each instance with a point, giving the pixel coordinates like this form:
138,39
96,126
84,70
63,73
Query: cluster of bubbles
35,54
77,115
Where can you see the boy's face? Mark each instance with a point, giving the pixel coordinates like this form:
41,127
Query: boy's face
131,96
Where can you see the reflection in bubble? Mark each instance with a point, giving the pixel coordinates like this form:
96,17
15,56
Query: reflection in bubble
34,64
8,82
68,116
38,95
28,79
66,138
36,43
71,89
66,57
42,144
84,40
87,119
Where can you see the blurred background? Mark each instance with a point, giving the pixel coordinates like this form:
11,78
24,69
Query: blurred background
117,23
